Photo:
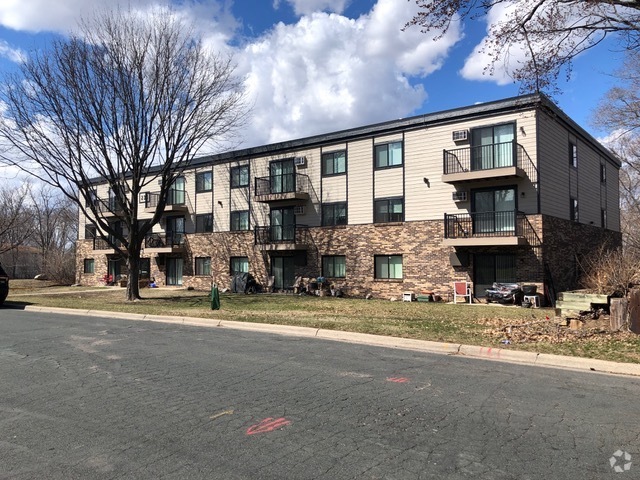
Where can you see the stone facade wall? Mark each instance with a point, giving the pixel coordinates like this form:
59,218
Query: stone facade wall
565,243
552,252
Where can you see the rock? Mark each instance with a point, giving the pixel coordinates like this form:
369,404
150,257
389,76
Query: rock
393,299
369,296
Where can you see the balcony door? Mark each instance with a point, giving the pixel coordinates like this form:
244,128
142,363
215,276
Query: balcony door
492,147
494,210
283,224
175,230
176,194
489,268
282,176
174,271
283,272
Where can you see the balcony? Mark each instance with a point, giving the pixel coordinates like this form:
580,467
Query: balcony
164,243
101,245
494,161
288,186
287,237
485,229
177,201
109,208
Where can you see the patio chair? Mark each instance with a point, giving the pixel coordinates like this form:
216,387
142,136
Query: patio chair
462,289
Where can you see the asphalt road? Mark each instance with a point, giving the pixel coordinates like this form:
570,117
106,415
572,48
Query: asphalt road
91,398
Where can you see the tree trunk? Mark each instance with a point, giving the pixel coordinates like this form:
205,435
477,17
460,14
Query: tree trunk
133,286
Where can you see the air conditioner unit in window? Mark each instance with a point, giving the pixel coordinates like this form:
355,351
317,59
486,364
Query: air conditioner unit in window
459,196
298,210
460,135
300,161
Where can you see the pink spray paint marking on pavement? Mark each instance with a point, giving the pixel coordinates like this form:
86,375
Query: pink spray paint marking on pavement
397,379
268,425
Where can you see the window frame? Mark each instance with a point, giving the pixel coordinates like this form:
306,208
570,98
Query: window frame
92,229
333,206
202,266
200,184
377,275
237,213
333,258
209,224
573,154
236,177
233,272
86,263
379,146
574,212
603,173
388,201
332,157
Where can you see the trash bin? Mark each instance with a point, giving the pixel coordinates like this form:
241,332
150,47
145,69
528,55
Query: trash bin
215,297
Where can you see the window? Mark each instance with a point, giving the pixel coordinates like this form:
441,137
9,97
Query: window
240,176
240,220
573,154
603,173
388,155
334,163
388,210
90,231
334,266
489,268
203,266
204,182
388,266
239,265
573,214
493,147
89,265
334,214
92,197
603,218
204,223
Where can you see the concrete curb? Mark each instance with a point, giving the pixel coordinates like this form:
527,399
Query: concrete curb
472,351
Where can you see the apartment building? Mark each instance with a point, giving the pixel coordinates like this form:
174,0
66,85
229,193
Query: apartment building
507,191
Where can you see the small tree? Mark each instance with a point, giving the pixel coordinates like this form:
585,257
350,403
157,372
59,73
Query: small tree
16,224
549,33
128,102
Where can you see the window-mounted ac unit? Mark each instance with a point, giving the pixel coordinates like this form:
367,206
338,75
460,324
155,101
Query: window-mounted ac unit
459,196
298,210
460,135
300,161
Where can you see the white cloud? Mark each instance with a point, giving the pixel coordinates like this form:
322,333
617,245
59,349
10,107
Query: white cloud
328,72
307,7
14,54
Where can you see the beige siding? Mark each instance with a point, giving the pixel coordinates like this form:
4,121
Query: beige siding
334,189
203,202
221,196
388,182
360,182
427,197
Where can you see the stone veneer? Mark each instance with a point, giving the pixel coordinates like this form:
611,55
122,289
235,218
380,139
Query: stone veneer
552,249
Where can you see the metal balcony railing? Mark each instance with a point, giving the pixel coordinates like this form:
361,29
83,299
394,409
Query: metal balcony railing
110,205
100,243
285,183
298,234
174,197
485,224
164,240
483,157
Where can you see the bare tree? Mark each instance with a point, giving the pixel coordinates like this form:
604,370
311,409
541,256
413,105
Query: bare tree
15,219
55,232
619,112
129,101
551,33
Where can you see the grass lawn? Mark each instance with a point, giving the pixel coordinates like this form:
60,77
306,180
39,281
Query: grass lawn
486,325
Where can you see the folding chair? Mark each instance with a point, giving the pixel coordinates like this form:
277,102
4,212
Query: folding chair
461,289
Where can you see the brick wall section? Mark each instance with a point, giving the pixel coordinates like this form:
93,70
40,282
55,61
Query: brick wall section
426,264
565,242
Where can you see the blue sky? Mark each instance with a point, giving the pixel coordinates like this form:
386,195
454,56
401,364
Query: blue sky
314,66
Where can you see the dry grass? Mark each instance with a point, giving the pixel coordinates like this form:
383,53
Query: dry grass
485,325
